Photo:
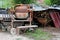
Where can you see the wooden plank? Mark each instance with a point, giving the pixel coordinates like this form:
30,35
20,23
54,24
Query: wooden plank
27,26
20,20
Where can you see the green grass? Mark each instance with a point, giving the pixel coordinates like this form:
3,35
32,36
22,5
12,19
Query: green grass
39,35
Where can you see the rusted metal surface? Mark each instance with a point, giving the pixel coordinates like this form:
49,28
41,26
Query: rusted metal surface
56,18
21,11
23,14
42,17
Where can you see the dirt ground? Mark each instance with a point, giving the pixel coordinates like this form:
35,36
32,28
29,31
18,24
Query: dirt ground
8,36
55,32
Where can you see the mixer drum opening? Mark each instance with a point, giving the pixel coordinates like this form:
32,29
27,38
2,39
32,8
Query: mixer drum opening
22,15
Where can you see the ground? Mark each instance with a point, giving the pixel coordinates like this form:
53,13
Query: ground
8,36
54,33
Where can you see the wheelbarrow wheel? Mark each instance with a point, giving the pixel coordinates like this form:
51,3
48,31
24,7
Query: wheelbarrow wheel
13,31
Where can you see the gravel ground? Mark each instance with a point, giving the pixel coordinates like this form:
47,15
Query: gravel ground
8,36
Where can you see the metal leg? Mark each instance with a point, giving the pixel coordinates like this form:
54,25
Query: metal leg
17,31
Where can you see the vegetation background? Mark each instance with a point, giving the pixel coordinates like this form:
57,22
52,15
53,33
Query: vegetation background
52,2
9,3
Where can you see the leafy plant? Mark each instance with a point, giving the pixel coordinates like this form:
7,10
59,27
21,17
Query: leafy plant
57,2
23,1
5,3
48,2
52,2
